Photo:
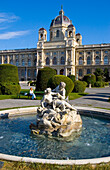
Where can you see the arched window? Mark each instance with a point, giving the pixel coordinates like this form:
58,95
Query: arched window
55,61
88,71
70,33
61,71
29,62
88,60
80,72
62,60
23,63
11,61
97,60
57,33
105,60
80,61
47,61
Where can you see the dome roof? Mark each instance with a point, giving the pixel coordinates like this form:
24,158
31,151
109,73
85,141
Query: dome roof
60,19
42,29
70,25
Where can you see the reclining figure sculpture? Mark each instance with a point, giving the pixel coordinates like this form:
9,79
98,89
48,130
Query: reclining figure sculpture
56,117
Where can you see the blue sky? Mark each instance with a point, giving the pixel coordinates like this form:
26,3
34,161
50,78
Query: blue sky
20,20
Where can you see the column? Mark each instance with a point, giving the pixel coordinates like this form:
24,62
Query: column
101,57
65,71
71,57
8,59
66,56
93,61
58,71
14,62
2,60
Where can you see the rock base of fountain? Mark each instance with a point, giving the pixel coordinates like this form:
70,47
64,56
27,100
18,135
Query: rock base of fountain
56,122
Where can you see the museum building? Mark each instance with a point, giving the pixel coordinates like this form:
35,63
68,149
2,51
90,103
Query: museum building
63,52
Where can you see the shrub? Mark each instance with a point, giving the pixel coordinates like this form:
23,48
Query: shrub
85,83
55,81
72,77
44,75
99,84
99,78
79,86
90,79
9,81
106,83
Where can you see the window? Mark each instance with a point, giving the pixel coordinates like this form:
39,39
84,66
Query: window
55,61
106,52
88,60
80,72
70,34
62,52
11,61
35,73
29,72
97,52
23,56
105,60
54,53
29,62
23,63
80,53
57,33
5,59
88,52
62,60
80,61
61,71
88,71
16,56
35,62
97,60
17,63
22,73
66,33
47,61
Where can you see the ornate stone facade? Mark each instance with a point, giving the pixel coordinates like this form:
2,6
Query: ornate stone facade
64,52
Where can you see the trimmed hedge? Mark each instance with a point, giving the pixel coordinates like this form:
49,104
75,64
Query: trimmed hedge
99,84
79,86
72,77
9,81
90,79
55,81
43,77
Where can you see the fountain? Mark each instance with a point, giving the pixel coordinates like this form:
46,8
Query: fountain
56,117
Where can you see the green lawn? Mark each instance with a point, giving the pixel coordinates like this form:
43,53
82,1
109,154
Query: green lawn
9,165
73,96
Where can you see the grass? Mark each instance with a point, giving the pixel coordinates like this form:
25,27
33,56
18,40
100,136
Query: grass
18,107
73,96
9,165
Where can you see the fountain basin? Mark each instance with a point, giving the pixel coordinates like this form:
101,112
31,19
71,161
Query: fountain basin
81,161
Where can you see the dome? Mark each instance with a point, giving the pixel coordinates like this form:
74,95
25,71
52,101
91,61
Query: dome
61,19
41,29
78,34
69,26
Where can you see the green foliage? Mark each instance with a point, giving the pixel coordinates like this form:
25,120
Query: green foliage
79,86
32,83
99,78
99,84
55,81
90,79
44,75
85,83
106,83
99,72
106,74
9,81
72,77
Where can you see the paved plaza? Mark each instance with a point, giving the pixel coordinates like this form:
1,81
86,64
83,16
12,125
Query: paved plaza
97,97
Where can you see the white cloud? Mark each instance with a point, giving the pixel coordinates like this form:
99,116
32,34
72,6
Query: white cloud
10,35
7,17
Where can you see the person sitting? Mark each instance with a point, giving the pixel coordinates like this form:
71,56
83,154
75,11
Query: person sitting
31,93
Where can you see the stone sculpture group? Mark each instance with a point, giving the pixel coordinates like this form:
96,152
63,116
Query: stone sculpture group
56,117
